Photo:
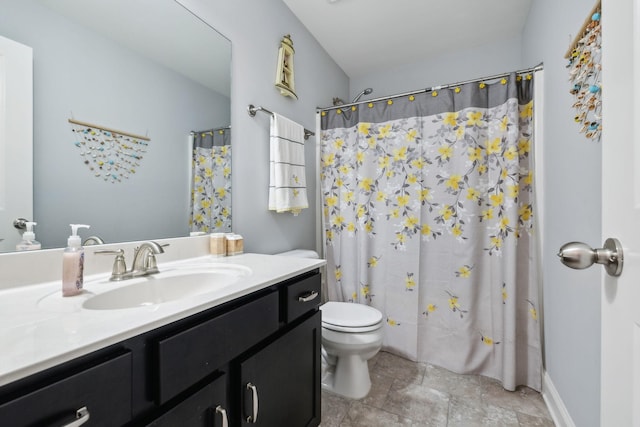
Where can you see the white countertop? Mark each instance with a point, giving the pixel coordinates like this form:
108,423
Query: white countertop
40,329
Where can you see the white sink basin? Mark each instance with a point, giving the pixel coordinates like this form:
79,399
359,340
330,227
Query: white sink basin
170,284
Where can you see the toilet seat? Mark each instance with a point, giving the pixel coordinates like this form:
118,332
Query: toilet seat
350,317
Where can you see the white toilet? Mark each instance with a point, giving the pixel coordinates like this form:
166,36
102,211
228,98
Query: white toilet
351,335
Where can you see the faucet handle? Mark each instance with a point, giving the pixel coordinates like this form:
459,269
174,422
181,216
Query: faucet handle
119,265
150,263
164,245
144,257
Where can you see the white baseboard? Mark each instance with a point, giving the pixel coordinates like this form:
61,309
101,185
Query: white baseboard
556,407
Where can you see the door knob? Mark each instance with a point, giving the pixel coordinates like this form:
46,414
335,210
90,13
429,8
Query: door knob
579,255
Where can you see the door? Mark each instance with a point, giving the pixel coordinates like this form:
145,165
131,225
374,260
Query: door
620,373
280,384
16,139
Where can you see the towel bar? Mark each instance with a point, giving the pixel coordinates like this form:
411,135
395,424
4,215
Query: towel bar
252,110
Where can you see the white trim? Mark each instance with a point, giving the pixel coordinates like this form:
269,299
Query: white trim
538,193
554,403
190,183
538,152
636,374
320,233
319,221
636,101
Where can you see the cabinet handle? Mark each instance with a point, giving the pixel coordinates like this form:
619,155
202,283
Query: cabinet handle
253,418
220,410
82,416
309,296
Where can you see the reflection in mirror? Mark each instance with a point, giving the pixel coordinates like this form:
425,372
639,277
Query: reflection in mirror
211,181
146,67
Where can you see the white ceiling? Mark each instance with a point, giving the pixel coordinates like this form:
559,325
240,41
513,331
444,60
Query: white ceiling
367,35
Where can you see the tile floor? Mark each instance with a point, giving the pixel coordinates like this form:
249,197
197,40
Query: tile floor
409,394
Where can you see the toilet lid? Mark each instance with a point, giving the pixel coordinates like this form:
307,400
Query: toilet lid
349,315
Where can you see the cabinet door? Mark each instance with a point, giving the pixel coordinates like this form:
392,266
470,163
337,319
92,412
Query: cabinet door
281,382
207,407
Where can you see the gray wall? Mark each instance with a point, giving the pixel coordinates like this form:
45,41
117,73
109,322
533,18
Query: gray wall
80,73
255,29
571,163
450,67
572,195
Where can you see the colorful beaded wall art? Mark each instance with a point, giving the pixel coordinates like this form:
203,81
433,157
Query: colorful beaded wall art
110,155
585,68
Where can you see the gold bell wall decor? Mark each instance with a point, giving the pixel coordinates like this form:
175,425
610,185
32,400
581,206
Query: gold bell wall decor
284,74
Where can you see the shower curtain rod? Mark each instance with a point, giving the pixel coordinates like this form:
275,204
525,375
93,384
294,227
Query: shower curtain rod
538,67
193,132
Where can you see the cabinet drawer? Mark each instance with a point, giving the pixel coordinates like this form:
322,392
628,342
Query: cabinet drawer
104,389
188,356
302,296
199,409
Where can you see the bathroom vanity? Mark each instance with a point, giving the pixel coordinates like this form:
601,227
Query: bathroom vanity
249,355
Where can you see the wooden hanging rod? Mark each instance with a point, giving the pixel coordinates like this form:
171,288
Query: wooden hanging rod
91,125
583,29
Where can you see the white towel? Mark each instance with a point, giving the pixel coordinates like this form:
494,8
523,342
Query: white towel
287,182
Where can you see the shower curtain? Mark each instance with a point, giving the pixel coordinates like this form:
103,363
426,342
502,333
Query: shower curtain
211,181
428,216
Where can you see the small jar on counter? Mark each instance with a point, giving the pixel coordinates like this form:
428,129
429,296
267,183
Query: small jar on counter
235,244
217,244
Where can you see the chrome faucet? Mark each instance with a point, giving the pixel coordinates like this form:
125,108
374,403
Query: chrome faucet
93,240
144,261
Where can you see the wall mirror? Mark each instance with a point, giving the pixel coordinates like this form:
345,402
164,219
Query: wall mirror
147,67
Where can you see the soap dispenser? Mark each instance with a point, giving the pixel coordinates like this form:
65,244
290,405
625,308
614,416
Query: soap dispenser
29,242
73,263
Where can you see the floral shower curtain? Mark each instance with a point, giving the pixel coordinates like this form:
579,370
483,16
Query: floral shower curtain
428,216
211,181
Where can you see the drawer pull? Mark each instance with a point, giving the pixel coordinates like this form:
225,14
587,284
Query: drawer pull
253,418
220,410
309,296
82,416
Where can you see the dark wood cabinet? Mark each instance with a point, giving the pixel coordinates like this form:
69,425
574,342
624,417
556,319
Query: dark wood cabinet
186,357
207,407
300,297
193,372
280,383
103,390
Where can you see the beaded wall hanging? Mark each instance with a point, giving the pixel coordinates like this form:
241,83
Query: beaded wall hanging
109,154
585,75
